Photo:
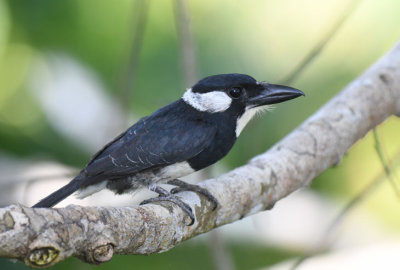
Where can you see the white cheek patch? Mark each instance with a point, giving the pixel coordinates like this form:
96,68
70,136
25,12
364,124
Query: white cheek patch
247,116
215,101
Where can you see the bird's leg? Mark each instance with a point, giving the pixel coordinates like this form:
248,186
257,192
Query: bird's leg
183,186
164,195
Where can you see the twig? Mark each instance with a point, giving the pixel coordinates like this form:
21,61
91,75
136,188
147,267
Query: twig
188,55
356,200
386,168
221,255
320,45
127,82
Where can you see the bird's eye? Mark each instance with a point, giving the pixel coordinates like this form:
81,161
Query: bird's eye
235,92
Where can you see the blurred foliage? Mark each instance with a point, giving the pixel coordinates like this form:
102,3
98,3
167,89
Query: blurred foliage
241,39
265,39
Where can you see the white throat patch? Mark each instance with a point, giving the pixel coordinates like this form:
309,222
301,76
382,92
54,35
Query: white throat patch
247,116
215,101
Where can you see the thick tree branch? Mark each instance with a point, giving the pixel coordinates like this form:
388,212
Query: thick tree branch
42,237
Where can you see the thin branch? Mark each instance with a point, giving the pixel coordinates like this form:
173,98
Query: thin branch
320,45
370,188
127,82
42,237
385,165
221,254
187,46
355,201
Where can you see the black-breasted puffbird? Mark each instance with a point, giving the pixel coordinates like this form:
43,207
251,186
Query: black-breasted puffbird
183,137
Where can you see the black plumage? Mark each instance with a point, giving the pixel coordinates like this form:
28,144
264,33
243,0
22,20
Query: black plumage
167,136
224,81
185,136
173,134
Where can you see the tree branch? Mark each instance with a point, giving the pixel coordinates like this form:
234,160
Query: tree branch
42,237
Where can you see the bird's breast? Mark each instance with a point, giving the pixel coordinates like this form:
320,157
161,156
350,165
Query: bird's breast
216,149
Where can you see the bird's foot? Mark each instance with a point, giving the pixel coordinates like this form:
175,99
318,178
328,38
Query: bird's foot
183,186
164,195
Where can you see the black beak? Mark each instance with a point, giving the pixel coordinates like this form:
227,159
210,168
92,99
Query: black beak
274,93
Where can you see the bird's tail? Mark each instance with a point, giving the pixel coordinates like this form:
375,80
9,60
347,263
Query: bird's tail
60,194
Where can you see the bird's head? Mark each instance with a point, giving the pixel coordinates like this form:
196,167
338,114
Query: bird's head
239,94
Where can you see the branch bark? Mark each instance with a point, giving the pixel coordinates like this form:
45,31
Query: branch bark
42,237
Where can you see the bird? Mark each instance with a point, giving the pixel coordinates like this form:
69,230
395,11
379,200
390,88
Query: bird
185,136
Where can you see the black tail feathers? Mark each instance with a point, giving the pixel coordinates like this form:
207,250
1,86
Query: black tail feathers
60,194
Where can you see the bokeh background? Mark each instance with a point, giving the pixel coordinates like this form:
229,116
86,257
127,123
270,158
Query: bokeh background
73,74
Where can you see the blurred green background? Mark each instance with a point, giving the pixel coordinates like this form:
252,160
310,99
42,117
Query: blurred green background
44,43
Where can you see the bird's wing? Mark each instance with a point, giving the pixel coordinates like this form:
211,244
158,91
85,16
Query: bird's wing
155,141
